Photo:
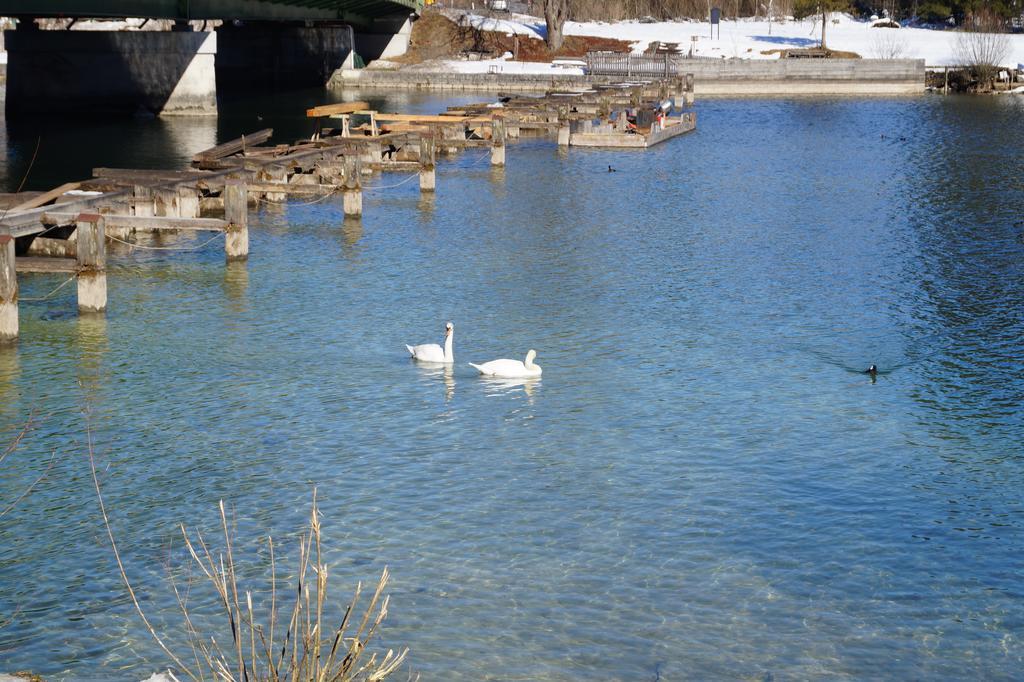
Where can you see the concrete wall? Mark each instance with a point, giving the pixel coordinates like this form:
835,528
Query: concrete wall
384,38
711,77
104,72
278,57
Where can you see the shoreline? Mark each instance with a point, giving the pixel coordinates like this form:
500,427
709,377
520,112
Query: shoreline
711,78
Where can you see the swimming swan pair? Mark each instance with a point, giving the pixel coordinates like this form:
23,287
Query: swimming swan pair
503,368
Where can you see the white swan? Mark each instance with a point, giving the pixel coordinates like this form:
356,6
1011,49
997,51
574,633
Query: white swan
431,352
511,369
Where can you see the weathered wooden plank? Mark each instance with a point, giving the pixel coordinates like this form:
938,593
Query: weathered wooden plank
339,141
45,197
146,173
46,265
395,166
430,118
9,199
468,144
142,222
399,128
290,189
339,108
234,146
28,222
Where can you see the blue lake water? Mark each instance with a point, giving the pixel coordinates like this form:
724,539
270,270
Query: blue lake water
702,485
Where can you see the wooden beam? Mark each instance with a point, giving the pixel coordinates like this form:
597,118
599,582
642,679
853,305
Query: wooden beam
426,118
288,188
46,265
339,108
45,197
28,222
234,146
142,222
397,128
157,175
8,199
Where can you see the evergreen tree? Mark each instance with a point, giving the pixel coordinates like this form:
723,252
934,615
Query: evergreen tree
806,8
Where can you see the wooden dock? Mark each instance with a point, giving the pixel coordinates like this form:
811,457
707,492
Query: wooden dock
67,230
626,135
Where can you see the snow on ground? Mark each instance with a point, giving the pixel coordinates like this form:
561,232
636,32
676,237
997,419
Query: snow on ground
749,39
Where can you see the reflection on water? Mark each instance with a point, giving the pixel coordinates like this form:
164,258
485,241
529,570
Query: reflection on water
705,485
444,373
10,369
236,283
352,232
496,386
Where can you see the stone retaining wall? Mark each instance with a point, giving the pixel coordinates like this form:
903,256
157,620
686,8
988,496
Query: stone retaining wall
712,77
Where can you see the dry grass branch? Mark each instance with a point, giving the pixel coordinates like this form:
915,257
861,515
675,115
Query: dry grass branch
305,653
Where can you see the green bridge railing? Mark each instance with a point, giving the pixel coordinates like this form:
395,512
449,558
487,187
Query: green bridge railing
251,10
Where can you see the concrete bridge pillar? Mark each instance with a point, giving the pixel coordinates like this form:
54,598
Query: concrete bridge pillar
110,72
279,56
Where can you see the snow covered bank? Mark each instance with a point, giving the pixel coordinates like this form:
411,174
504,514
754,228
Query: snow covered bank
750,39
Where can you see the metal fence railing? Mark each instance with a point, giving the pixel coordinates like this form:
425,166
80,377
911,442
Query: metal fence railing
630,65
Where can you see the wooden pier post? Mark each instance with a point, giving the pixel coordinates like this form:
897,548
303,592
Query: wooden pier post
563,133
352,195
454,133
165,202
92,263
563,126
428,172
8,291
512,129
372,154
689,89
498,142
236,213
143,203
188,201
274,174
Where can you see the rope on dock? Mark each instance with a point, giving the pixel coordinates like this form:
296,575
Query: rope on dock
167,248
323,197
43,298
397,184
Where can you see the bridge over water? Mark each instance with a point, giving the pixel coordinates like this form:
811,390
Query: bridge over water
257,44
350,11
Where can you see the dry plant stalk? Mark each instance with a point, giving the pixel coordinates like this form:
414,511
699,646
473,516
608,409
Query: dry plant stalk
11,447
304,652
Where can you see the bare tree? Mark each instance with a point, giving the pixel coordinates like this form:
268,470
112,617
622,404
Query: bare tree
555,14
887,43
981,46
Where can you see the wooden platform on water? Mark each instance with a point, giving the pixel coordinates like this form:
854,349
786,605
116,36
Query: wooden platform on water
609,135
